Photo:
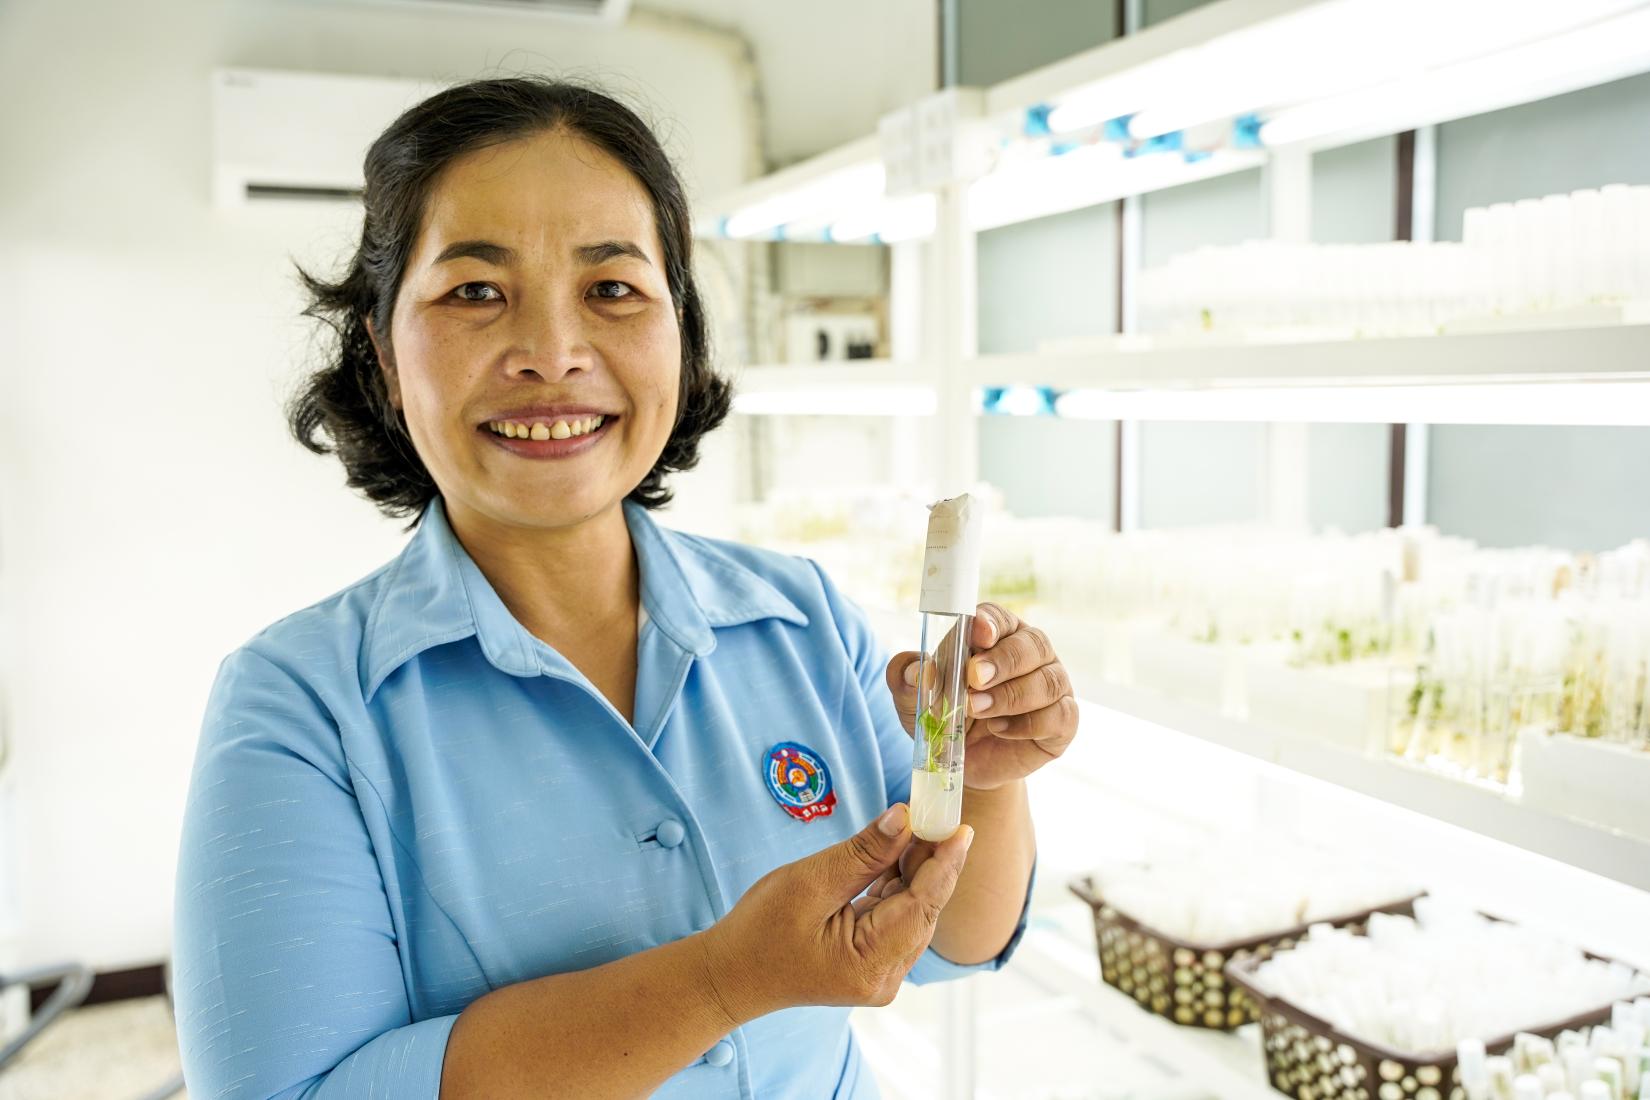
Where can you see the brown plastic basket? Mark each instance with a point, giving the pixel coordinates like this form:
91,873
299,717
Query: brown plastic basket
1186,982
1309,1059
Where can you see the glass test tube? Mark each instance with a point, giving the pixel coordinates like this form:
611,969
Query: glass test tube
942,710
950,588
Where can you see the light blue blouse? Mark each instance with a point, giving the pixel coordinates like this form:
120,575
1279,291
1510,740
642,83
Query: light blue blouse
402,799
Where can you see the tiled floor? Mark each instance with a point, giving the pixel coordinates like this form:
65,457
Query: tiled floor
117,1051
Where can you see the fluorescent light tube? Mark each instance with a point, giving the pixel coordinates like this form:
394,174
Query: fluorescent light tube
817,201
889,220
1085,177
1592,54
893,399
1569,403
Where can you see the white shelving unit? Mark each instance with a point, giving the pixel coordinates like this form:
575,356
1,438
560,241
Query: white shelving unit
1563,375
1619,353
1582,375
1480,808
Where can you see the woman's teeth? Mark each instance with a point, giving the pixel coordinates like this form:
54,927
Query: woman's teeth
555,429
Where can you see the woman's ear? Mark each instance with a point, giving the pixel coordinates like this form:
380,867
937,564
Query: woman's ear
386,365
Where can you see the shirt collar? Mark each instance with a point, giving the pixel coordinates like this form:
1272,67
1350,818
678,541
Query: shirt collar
435,593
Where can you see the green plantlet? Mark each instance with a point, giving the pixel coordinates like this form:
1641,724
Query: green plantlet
1416,693
933,732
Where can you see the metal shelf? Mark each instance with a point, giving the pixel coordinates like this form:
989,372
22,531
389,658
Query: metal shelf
1578,375
1588,353
1592,847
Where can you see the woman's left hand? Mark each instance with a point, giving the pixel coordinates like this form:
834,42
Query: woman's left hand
1021,713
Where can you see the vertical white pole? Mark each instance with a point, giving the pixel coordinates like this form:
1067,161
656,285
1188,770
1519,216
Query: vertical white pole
1128,442
954,341
1423,227
1288,179
1286,475
910,446
1423,211
1415,475
951,340
1131,247
960,1009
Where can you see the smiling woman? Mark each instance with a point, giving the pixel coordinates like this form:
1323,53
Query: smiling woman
454,273
513,815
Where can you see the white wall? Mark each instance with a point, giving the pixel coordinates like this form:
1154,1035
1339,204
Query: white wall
153,513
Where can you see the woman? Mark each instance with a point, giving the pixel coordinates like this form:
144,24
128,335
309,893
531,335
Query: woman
515,814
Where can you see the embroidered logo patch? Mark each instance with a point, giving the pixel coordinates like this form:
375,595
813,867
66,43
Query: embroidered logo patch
799,781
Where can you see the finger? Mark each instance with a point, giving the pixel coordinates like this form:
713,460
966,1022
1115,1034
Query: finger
1017,654
930,886
901,675
920,852
1023,694
991,622
876,888
891,889
864,905
841,872
1054,725
909,917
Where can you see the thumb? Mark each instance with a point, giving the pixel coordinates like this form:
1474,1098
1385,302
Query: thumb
844,870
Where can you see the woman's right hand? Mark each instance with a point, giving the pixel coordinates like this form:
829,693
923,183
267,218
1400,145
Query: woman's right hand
800,937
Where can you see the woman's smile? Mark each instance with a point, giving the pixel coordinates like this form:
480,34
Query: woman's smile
549,436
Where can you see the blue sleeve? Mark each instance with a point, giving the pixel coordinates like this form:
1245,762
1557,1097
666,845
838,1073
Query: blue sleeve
870,661
287,975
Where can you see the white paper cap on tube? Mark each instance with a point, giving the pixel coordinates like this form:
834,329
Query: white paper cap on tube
951,562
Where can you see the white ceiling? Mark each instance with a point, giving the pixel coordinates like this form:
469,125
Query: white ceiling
828,71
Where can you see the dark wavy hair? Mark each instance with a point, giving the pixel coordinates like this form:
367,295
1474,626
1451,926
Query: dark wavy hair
347,400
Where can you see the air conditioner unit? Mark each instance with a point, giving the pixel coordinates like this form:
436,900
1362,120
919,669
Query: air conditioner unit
295,135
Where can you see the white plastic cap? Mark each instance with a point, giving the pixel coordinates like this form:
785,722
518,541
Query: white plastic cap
951,561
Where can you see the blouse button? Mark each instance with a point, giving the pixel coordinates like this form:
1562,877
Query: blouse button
670,832
720,1054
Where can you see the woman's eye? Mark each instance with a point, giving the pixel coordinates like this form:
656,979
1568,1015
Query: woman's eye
613,289
484,286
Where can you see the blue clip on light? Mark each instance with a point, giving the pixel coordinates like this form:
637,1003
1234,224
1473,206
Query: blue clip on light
1116,129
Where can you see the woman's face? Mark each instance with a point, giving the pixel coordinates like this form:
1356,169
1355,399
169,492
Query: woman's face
536,347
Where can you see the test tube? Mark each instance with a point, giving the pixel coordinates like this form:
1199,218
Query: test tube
1609,1070
950,589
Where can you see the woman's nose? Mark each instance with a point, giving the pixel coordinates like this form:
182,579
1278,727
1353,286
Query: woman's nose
552,339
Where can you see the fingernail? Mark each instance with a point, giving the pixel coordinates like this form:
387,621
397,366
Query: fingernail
968,837
985,670
911,673
892,821
996,725
979,701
